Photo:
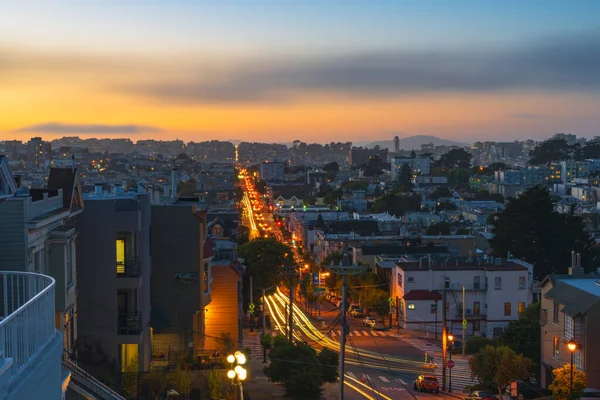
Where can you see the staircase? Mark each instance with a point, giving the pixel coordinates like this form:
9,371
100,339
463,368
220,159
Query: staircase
88,386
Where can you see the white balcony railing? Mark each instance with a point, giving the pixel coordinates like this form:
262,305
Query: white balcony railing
26,320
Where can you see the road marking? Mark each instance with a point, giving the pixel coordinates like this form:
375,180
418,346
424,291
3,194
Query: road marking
401,381
351,375
383,378
356,333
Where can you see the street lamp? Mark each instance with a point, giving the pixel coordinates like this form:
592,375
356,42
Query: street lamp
237,373
450,338
572,346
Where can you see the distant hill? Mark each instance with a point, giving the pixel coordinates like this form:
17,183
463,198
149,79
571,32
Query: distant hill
415,142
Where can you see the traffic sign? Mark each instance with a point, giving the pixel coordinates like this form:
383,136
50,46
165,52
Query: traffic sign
319,289
391,301
464,324
251,307
450,364
315,279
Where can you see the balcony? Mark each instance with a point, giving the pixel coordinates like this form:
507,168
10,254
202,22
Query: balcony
470,314
130,324
130,269
469,287
30,346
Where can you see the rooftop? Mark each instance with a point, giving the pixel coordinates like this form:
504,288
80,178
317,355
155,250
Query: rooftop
457,266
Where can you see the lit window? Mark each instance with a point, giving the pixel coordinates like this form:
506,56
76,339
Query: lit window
521,308
120,256
507,309
411,306
555,347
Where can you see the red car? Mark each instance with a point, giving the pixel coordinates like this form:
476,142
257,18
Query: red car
427,383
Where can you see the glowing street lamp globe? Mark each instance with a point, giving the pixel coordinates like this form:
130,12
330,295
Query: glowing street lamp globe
231,374
238,369
571,345
230,359
450,337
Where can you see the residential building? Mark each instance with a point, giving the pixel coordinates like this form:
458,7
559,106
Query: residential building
272,171
574,169
31,347
181,275
359,157
38,151
418,165
570,310
496,292
37,234
114,277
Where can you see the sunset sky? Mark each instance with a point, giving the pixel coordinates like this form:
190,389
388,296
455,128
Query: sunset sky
281,70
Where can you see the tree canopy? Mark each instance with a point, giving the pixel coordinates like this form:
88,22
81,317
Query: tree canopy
496,367
405,178
439,192
455,158
263,259
331,167
561,384
440,228
530,228
523,335
300,368
397,203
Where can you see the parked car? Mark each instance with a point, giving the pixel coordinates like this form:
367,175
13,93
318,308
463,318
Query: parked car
357,312
379,327
590,394
427,383
481,395
369,321
338,304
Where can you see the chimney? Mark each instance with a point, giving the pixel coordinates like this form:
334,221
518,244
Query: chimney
166,194
98,189
174,183
576,269
573,259
579,260
118,189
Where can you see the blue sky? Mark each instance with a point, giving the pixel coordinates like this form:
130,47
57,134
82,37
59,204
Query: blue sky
279,58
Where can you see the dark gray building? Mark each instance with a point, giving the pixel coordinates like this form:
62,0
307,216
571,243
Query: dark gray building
181,282
113,255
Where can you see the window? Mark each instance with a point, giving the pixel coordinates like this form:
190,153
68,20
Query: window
434,308
507,309
578,360
476,282
399,279
569,327
555,312
476,326
522,282
206,278
411,279
447,283
120,256
70,246
498,283
411,306
521,308
555,347
476,307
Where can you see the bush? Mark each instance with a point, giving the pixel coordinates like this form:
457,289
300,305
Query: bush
477,343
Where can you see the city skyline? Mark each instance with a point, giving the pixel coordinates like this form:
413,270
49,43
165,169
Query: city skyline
318,73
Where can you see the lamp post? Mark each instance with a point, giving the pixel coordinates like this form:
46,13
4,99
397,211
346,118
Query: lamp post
572,346
450,345
237,373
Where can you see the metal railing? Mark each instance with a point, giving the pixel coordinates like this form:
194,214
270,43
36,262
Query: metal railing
27,320
470,287
87,382
130,269
470,313
130,324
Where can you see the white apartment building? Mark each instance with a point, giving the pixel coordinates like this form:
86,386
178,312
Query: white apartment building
418,165
574,169
496,292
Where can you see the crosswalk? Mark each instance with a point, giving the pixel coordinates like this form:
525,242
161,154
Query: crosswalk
252,342
461,373
376,378
359,333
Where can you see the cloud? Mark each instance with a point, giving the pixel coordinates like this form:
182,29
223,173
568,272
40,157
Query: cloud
527,116
569,63
87,129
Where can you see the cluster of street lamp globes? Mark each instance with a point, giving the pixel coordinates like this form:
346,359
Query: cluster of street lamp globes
238,358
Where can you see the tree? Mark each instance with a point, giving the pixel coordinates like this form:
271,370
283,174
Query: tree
397,203
549,151
441,228
455,158
331,167
375,299
332,197
301,370
523,336
405,178
496,367
263,258
498,166
375,166
528,228
440,192
561,385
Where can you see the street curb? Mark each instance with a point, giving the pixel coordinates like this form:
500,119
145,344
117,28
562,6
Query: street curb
452,395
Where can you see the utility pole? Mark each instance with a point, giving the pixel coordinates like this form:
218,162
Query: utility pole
291,273
264,301
344,270
464,326
251,308
444,339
